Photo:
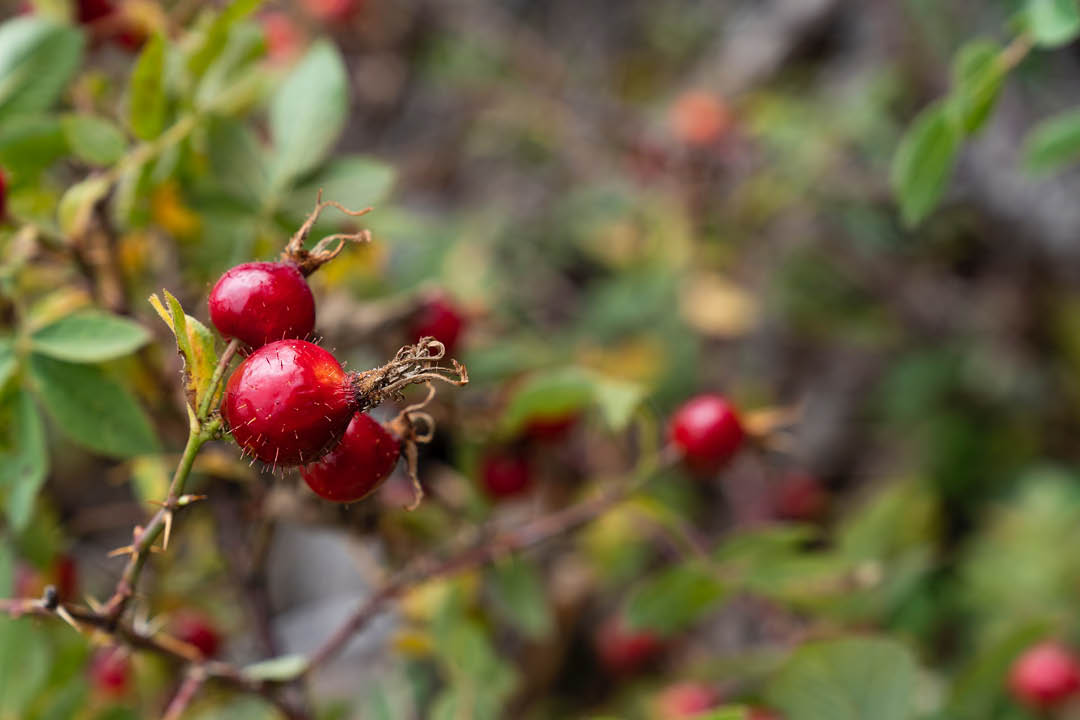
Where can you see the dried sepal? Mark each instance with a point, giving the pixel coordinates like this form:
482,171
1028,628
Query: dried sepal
308,261
413,364
414,427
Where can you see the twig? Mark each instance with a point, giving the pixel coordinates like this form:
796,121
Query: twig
479,552
165,646
193,682
201,430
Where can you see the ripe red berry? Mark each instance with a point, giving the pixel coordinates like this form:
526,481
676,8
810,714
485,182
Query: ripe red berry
110,671
1044,676
197,630
283,39
550,429
288,402
800,497
329,11
441,319
622,650
89,11
260,302
707,432
699,118
357,465
505,474
685,700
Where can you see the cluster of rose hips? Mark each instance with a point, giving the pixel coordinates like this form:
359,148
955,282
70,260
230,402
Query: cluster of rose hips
1045,676
290,402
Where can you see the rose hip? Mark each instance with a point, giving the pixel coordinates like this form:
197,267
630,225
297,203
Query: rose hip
1044,676
288,402
685,700
622,650
197,630
358,465
504,475
707,432
441,319
110,671
260,302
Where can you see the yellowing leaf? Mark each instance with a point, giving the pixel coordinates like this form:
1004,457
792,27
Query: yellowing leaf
714,306
415,643
196,345
168,210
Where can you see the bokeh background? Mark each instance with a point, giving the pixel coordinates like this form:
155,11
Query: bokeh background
624,203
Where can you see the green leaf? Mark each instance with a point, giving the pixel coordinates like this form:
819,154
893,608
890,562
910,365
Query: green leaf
31,143
91,408
1052,23
352,180
23,469
196,345
25,655
214,39
308,113
37,60
548,395
8,360
675,598
94,140
237,159
617,400
730,713
234,69
1053,143
89,336
848,679
923,162
279,669
77,205
977,78
519,594
146,91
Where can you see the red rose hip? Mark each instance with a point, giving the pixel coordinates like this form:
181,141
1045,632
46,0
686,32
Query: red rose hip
706,432
800,496
685,700
260,302
441,319
196,629
505,475
622,650
110,671
1044,676
288,402
357,465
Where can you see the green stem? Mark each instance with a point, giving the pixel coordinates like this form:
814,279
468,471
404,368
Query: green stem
215,379
200,432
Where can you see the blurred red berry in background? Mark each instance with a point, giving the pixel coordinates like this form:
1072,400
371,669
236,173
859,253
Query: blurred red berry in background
800,496
110,671
699,118
441,319
505,474
622,650
685,700
1044,676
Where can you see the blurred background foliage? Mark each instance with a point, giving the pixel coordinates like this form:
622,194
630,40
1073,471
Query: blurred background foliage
624,203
